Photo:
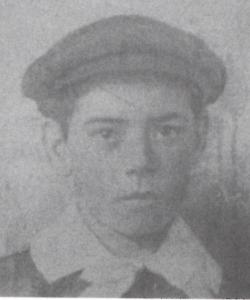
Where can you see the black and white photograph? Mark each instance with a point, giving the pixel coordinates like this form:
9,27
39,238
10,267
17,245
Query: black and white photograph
125,148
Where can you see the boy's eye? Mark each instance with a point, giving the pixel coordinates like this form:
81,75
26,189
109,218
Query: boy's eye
168,131
106,133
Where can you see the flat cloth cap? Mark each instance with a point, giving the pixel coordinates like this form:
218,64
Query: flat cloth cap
125,44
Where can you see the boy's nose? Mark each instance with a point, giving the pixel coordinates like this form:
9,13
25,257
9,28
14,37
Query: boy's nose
142,160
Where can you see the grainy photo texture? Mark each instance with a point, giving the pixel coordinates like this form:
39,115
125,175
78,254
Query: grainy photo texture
125,104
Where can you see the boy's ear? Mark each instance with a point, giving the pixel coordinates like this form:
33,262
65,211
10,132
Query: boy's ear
56,149
202,132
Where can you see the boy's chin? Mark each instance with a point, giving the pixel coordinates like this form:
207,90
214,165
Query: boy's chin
138,231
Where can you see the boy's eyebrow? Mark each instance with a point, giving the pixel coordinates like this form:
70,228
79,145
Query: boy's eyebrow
169,117
114,120
105,120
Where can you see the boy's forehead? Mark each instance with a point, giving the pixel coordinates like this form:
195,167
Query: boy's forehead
125,99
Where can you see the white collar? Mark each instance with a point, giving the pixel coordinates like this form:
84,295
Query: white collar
68,246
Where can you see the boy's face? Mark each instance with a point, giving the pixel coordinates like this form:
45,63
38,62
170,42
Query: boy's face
132,147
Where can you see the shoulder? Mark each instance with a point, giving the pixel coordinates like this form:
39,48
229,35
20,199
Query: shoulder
19,276
7,274
223,226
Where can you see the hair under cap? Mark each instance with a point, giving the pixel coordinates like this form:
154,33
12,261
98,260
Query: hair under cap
125,44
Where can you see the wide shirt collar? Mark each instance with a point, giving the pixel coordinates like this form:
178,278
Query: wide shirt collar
69,246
